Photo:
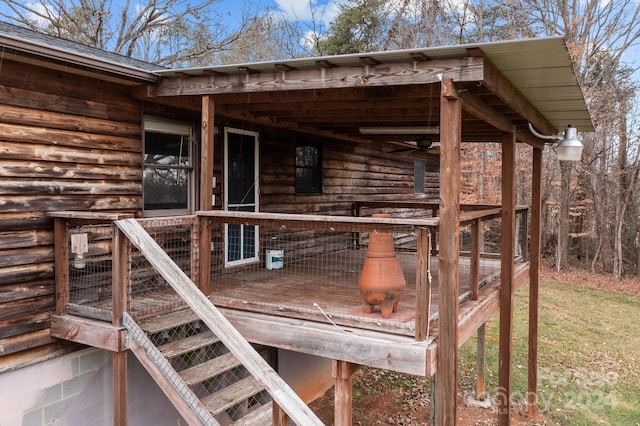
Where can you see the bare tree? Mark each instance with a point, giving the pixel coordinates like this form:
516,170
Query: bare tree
167,32
599,34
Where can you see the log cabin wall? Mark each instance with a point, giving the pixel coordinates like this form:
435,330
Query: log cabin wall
350,172
68,142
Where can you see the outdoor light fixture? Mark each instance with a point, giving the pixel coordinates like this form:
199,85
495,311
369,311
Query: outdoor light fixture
79,246
569,148
399,130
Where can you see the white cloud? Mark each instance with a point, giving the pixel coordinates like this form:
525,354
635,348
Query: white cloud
306,10
39,13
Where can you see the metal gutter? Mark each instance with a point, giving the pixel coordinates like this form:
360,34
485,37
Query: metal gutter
77,60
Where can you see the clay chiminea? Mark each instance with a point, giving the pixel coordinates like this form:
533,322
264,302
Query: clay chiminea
382,282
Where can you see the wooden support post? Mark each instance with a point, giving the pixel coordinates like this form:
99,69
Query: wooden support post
120,275
476,236
423,285
534,283
449,244
481,362
206,191
507,277
432,407
120,413
435,212
120,291
343,373
61,247
279,417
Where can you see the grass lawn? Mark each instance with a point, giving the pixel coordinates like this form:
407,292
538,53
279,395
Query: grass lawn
588,355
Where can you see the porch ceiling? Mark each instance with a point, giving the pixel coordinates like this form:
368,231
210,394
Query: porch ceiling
502,85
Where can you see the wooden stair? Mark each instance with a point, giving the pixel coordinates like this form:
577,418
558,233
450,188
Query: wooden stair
214,375
184,345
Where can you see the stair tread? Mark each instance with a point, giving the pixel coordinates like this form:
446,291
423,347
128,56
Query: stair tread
168,321
261,416
188,344
231,395
208,369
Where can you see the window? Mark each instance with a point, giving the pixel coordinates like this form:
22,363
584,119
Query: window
168,168
419,166
308,169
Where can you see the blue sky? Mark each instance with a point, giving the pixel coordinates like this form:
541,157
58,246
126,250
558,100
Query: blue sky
302,10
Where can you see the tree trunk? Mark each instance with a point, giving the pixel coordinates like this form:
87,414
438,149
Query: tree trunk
562,248
622,196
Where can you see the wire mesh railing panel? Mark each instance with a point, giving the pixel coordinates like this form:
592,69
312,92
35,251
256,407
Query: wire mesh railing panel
149,293
307,269
90,267
209,369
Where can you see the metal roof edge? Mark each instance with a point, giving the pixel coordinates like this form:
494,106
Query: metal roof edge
94,62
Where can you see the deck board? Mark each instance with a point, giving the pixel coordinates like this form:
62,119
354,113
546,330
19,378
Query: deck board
308,289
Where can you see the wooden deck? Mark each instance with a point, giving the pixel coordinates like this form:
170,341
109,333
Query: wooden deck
310,291
313,308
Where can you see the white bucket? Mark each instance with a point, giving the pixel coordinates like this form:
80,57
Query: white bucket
274,259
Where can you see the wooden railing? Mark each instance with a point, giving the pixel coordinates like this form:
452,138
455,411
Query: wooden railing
324,227
111,290
286,398
472,216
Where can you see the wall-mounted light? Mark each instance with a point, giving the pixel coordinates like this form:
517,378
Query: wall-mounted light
399,130
569,148
79,246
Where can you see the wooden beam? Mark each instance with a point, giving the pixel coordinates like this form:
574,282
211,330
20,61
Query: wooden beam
423,285
507,277
384,351
476,236
449,232
481,362
534,283
474,105
94,333
343,373
120,276
120,389
278,416
120,293
502,87
463,69
207,145
61,247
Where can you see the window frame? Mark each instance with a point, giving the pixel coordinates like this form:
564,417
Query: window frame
419,175
317,170
170,127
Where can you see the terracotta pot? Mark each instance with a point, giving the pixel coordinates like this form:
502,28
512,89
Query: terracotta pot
382,281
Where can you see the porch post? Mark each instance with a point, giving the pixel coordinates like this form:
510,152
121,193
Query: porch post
343,373
447,355
507,276
61,247
534,283
120,281
206,191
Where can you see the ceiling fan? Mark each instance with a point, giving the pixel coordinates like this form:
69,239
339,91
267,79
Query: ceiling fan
421,144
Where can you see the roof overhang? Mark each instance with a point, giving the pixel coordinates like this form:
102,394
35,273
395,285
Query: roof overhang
504,86
87,62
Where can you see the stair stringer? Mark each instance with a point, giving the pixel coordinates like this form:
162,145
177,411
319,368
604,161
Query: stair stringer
208,313
178,392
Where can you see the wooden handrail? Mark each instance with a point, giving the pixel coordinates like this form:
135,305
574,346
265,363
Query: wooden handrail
284,396
259,218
